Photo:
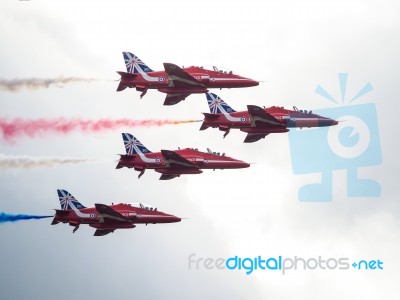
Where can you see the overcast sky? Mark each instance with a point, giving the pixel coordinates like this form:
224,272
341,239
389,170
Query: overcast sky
291,45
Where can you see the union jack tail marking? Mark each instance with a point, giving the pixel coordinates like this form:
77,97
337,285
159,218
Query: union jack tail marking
68,201
134,64
217,105
133,145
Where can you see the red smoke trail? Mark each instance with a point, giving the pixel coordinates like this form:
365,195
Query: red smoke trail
12,129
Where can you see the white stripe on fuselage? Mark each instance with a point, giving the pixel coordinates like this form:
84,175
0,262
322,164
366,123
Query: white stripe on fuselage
142,156
219,161
227,115
303,119
139,216
221,79
144,74
78,212
230,118
145,159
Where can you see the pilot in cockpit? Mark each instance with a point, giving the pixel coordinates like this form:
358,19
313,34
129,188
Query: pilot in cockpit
144,206
214,153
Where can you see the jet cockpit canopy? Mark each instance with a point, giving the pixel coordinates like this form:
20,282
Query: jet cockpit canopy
143,206
218,69
214,153
302,111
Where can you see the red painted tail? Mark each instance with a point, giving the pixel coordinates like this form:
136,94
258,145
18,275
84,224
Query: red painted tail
124,78
208,117
57,217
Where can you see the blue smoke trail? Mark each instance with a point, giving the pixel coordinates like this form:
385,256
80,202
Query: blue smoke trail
5,217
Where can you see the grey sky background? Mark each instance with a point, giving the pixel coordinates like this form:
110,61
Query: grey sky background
293,46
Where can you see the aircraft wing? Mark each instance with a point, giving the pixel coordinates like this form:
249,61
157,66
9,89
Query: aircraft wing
261,118
101,232
172,99
180,78
174,160
168,176
107,214
254,137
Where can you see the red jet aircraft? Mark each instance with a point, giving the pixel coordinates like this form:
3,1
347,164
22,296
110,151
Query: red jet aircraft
176,82
172,164
258,122
106,218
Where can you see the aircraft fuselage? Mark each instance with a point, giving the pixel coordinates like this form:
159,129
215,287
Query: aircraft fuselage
287,118
166,83
134,214
203,160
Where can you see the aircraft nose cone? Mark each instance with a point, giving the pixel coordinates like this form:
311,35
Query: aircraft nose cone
248,82
176,219
243,164
327,122
254,83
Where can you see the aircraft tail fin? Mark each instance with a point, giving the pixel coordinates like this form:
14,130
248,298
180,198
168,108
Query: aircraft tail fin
134,64
67,201
217,105
133,145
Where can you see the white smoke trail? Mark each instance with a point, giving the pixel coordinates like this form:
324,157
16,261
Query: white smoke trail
29,162
14,85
